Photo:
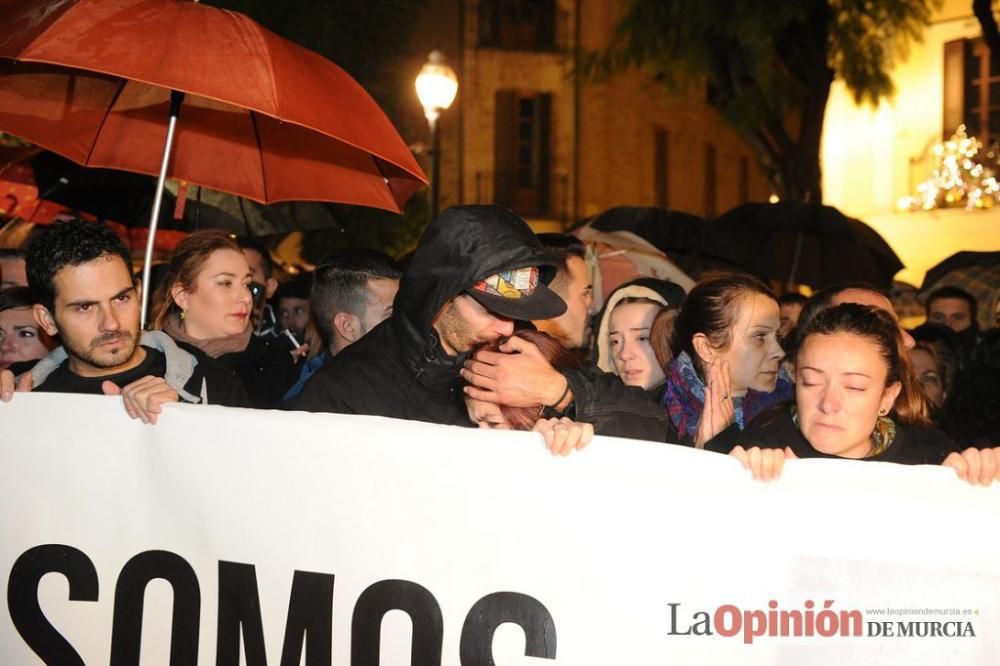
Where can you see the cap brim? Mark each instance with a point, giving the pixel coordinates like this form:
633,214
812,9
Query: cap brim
542,304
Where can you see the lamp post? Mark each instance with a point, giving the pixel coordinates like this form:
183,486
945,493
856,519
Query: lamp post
436,88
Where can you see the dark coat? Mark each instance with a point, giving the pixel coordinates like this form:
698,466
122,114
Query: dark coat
265,368
775,428
399,369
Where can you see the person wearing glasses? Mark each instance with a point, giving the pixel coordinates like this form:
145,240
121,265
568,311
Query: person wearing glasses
204,303
85,293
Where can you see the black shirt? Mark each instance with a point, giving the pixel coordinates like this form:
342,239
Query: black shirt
219,385
64,380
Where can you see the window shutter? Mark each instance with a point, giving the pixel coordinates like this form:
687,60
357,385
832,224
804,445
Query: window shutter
546,25
505,147
954,87
544,150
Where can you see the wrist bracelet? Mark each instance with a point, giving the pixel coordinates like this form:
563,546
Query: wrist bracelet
555,406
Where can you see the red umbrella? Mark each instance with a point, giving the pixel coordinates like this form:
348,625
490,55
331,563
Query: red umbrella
102,82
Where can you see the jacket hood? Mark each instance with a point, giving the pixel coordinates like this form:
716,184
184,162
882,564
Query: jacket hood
663,292
463,245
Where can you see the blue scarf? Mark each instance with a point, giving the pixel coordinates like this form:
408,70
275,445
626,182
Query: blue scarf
684,397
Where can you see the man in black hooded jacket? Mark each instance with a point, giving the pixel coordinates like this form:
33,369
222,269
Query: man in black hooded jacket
477,269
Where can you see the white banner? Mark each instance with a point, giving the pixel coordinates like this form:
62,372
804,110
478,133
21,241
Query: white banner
224,536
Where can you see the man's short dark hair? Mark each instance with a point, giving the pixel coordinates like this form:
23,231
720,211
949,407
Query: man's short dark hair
561,247
69,243
254,244
792,298
954,292
340,282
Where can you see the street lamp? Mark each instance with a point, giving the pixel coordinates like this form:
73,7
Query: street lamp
436,89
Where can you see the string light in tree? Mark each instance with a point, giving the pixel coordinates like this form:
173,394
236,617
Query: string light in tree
958,180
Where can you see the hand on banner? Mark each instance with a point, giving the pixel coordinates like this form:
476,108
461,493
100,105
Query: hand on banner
563,435
144,397
718,411
764,464
977,466
517,376
9,385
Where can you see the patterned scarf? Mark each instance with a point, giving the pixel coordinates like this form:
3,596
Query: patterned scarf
684,397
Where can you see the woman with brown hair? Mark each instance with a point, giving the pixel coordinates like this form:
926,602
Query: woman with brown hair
852,401
562,435
204,303
727,367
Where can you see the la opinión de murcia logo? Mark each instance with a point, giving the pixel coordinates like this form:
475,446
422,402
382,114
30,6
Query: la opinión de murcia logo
811,621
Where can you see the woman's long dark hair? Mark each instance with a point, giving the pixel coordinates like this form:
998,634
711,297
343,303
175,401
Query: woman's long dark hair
880,328
711,309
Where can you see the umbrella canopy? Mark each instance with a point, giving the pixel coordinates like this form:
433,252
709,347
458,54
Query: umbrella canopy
801,243
622,256
262,117
683,237
978,273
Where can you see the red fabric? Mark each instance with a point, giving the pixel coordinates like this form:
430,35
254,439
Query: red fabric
263,118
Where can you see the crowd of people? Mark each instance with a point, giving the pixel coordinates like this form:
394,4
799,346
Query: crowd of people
488,324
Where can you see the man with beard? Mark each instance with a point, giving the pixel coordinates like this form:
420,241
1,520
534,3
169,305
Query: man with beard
476,271
80,274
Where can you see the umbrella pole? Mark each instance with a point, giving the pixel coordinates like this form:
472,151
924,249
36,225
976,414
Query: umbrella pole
795,264
154,217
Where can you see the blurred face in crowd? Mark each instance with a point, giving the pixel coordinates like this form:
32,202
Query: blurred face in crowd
218,304
840,389
96,314
12,273
293,314
631,351
875,300
926,368
20,337
788,318
954,313
753,354
463,323
574,286
485,414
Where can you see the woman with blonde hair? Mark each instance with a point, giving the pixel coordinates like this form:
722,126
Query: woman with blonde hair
204,303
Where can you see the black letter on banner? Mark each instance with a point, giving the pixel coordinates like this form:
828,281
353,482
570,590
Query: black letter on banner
310,612
476,646
412,599
22,597
126,629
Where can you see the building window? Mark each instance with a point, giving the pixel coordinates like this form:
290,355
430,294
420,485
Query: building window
971,90
522,151
525,25
661,168
710,181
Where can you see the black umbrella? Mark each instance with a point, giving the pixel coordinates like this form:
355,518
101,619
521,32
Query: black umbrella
978,273
127,198
801,243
